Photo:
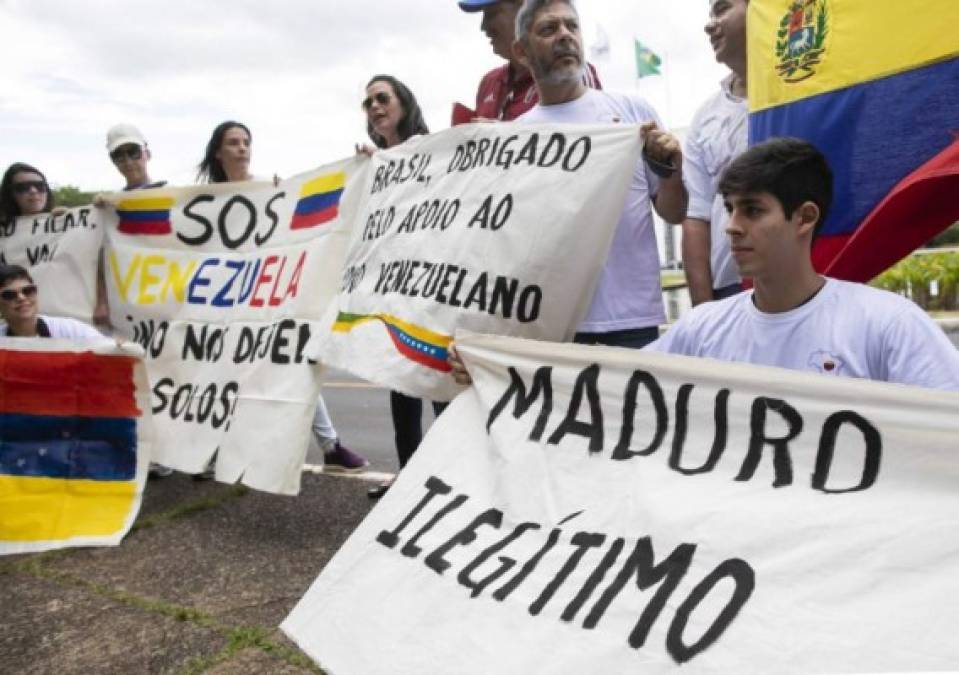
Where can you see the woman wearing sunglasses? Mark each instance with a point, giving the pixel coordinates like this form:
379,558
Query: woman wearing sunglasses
18,306
24,192
392,117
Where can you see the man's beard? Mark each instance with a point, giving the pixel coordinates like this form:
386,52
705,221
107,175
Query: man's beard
546,73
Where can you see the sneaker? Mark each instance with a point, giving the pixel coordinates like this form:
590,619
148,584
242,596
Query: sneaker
343,460
159,471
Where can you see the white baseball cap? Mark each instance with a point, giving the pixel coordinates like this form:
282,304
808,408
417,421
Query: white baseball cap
124,134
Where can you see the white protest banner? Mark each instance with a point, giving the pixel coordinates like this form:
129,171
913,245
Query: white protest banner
599,510
494,228
223,286
60,252
74,442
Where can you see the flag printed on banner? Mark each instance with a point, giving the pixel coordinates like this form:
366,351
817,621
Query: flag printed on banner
145,215
71,436
418,344
319,201
875,86
647,61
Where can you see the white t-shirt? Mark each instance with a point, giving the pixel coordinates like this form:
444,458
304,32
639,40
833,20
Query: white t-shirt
846,329
718,134
64,328
629,293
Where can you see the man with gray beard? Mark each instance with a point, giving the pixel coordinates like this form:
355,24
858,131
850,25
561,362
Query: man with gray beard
627,307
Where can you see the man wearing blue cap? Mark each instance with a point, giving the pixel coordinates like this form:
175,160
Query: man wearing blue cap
508,91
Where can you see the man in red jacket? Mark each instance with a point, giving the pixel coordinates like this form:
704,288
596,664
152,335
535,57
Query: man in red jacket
508,91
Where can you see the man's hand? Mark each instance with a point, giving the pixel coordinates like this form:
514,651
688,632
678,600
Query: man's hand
661,146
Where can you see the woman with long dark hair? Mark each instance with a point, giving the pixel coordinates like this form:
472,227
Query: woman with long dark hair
24,191
228,154
392,117
227,160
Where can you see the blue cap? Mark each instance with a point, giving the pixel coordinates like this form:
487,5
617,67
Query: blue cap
475,5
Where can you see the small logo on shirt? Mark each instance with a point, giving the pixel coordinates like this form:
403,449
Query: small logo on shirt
825,362
489,99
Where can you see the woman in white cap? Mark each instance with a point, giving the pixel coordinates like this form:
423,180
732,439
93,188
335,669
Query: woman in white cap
129,153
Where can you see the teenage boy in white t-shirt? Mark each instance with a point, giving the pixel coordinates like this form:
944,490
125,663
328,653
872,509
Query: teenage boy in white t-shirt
778,194
627,307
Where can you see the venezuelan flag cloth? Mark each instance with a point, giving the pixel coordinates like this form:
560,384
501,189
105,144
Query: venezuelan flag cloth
874,84
74,443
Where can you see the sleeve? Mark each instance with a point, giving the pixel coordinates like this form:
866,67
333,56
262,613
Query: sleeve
699,183
676,340
917,352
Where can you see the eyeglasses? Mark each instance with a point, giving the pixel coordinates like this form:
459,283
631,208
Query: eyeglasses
380,97
133,152
24,186
11,294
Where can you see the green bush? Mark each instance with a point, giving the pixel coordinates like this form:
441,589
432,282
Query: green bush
914,275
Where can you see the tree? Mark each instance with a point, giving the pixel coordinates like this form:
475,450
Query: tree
71,195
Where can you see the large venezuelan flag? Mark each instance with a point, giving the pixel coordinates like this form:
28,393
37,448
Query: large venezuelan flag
874,84
70,438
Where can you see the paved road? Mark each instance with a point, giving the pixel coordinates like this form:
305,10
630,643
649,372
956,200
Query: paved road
361,415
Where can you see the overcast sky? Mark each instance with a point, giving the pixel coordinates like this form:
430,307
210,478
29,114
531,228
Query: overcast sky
292,70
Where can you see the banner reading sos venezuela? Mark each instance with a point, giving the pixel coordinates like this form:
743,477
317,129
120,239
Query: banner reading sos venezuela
496,228
223,286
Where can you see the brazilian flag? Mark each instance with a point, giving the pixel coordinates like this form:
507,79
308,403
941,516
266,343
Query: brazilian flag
647,61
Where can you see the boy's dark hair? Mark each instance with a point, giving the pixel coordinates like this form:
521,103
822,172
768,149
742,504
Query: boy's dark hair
10,273
790,169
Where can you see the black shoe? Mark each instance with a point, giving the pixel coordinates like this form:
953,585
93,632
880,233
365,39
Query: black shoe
378,491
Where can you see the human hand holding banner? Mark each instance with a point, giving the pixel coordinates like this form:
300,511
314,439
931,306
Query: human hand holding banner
498,228
598,510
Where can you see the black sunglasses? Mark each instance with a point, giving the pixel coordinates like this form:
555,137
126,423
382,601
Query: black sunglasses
133,152
11,294
23,187
380,97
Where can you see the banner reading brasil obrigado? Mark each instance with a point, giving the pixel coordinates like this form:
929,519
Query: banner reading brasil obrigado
493,228
223,286
596,510
60,252
74,442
